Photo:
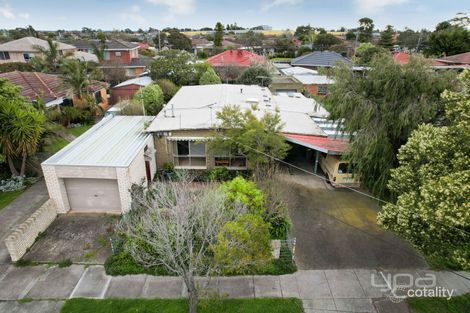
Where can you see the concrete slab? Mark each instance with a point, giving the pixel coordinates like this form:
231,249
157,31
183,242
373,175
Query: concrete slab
387,306
236,287
92,284
319,304
3,270
451,281
267,287
344,284
18,281
289,288
369,280
163,287
129,286
313,285
355,305
319,311
57,283
33,306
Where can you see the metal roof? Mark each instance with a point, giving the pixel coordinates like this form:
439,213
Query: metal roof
320,58
308,79
141,81
113,142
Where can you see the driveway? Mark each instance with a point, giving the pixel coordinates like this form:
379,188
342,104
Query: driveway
337,229
18,211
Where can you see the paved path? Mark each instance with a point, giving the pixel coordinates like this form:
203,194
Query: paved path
18,211
321,290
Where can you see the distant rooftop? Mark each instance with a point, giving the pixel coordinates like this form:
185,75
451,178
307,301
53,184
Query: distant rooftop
320,59
114,142
28,44
112,44
140,81
239,57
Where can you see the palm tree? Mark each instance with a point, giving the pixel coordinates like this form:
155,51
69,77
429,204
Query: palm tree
50,55
99,49
22,127
76,76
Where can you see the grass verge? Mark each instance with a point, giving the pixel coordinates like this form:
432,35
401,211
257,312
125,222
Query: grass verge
55,144
9,196
457,304
77,131
181,306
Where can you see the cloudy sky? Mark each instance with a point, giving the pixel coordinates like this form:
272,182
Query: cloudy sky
281,14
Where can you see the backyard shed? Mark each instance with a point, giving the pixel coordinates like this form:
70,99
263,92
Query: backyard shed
94,173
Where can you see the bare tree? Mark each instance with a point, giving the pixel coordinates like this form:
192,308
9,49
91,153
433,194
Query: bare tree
174,224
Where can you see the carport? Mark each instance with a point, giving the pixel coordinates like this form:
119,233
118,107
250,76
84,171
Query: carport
94,173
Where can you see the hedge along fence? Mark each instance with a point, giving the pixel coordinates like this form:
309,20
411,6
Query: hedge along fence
23,235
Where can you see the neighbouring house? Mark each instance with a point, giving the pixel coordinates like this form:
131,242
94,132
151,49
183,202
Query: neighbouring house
95,172
201,44
239,58
401,58
24,49
461,60
118,53
182,128
128,88
312,82
320,59
50,89
285,84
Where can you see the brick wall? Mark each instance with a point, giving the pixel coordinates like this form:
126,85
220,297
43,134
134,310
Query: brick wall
23,236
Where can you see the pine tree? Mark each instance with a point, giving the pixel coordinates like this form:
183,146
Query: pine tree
386,37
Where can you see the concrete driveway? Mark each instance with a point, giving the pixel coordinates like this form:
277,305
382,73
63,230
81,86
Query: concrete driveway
337,229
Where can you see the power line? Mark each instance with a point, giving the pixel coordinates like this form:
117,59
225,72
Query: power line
339,184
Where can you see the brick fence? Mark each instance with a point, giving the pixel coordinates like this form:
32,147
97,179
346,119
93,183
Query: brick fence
23,235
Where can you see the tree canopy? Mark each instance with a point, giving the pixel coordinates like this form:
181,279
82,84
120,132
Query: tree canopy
366,27
179,41
366,52
432,183
448,40
175,66
386,38
209,78
219,34
152,98
255,75
325,41
381,108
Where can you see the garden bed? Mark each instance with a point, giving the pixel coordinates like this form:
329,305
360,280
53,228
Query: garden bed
288,305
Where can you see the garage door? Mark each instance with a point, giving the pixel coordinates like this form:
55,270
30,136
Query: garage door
93,195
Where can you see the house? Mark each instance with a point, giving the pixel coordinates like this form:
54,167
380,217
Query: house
182,129
201,44
118,53
94,173
320,59
285,84
24,49
312,82
238,58
128,88
458,60
49,88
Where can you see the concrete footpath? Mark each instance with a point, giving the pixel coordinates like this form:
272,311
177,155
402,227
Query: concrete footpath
320,290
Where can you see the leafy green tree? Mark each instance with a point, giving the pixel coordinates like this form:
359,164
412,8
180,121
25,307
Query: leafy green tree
251,39
366,52
175,66
382,108
325,41
219,34
169,89
179,41
77,75
366,27
49,55
246,133
386,38
22,127
246,192
243,244
433,183
99,49
255,75
152,98
304,33
413,40
209,78
448,40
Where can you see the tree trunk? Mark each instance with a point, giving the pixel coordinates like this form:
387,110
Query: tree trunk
23,165
192,293
13,170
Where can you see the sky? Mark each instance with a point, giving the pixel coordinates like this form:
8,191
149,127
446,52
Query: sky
280,14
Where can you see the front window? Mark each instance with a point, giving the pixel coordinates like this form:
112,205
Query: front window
322,89
189,154
28,56
230,159
4,55
345,168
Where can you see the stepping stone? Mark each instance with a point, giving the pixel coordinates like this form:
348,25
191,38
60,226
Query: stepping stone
129,286
93,283
267,287
344,284
19,280
57,283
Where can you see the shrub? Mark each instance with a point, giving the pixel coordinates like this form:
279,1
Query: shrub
168,87
209,78
152,98
16,183
122,263
220,174
239,189
280,226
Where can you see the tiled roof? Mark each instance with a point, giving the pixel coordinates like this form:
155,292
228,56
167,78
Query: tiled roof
49,87
401,58
141,61
112,44
243,58
27,44
462,58
320,58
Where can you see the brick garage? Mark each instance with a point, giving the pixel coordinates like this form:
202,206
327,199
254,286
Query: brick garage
128,88
94,173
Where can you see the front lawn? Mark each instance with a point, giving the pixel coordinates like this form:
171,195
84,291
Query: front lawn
77,131
55,144
9,196
181,306
457,304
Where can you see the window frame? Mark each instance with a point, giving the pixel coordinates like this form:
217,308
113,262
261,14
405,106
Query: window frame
229,156
191,157
4,55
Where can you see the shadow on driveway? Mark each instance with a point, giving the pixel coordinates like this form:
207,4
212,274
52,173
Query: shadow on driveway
337,229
